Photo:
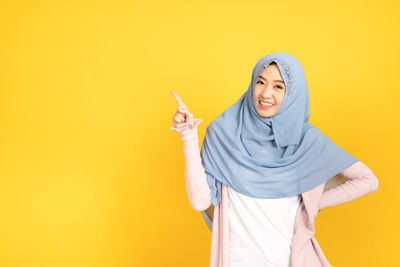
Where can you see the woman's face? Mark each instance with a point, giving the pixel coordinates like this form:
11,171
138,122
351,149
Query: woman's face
270,89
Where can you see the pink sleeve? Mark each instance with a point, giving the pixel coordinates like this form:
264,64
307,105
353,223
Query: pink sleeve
196,178
361,181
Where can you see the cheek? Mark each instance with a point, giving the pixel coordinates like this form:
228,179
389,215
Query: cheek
281,97
255,94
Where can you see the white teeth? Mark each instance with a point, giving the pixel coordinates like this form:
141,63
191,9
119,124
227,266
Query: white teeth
265,104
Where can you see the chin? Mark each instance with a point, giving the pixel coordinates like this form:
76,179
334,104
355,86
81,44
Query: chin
267,115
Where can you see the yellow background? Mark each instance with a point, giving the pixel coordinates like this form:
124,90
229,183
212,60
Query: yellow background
92,175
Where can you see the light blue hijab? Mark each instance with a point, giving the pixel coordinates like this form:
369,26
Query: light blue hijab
270,157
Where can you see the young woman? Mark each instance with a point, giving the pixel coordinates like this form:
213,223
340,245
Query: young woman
267,171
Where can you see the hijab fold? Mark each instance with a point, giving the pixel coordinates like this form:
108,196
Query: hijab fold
270,157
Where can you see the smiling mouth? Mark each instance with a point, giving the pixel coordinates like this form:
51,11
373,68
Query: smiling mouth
265,106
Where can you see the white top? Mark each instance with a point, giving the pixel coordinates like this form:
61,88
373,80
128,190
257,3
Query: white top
260,230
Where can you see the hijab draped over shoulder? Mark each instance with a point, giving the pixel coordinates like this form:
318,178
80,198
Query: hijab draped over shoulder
270,157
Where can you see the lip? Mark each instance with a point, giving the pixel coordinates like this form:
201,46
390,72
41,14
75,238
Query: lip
265,107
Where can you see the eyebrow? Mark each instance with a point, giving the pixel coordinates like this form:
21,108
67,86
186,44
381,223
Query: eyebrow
273,80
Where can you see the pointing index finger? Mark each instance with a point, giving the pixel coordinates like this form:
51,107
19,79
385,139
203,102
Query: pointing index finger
178,99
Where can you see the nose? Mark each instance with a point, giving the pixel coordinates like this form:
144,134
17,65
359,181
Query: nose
267,92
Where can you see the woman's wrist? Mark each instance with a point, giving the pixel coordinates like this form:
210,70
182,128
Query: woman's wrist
189,135
188,132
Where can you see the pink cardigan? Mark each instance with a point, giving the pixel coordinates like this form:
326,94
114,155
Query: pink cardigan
305,250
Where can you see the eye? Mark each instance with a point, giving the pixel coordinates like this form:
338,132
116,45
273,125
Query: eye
260,82
280,87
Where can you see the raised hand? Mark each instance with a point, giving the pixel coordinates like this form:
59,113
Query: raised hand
183,117
196,177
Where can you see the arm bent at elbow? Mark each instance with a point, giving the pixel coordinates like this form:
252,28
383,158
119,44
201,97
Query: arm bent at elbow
360,181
